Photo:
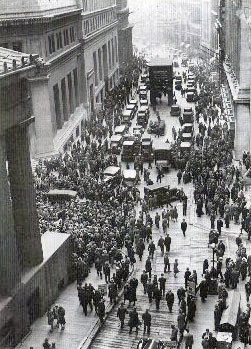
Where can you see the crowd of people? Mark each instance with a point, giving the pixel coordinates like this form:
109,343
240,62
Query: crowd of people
107,233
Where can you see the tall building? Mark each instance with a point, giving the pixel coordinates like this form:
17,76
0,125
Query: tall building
125,47
78,43
235,56
28,284
53,31
100,49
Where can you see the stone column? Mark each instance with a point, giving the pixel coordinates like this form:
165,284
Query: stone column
9,264
42,112
242,134
23,197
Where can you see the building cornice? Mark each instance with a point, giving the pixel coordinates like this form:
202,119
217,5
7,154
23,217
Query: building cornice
89,14
14,21
240,94
101,31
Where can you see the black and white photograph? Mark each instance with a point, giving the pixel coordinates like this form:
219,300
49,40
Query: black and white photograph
125,174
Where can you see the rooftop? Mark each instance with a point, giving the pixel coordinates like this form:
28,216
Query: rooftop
25,9
12,60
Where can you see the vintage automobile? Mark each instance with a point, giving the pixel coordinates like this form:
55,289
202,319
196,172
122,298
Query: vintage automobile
130,177
187,128
61,195
116,144
146,147
185,146
162,151
187,118
112,175
120,130
178,85
128,151
144,78
186,137
188,110
138,131
190,97
133,108
127,116
144,103
163,194
134,102
175,110
156,127
143,95
143,116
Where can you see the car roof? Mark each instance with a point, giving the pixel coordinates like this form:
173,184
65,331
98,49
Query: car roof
112,170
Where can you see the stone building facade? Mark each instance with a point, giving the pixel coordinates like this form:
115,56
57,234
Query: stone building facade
125,47
78,43
31,267
235,56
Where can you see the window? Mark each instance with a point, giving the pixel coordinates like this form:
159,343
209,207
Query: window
113,53
95,68
69,79
77,131
51,43
17,46
100,65
57,106
59,41
64,99
109,54
72,34
66,37
75,77
116,48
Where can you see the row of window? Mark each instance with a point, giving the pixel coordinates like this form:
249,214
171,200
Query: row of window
69,103
56,42
101,62
98,21
95,5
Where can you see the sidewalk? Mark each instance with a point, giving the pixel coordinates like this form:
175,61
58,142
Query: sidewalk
78,326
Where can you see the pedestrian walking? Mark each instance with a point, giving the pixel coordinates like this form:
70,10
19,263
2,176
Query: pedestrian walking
162,284
166,263
147,318
170,300
183,227
188,339
121,313
175,268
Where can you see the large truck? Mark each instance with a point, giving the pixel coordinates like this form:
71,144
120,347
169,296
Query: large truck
161,79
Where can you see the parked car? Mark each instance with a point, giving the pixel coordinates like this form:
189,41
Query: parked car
112,174
175,110
190,97
120,130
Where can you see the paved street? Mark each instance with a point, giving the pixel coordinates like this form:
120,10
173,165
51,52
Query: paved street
190,251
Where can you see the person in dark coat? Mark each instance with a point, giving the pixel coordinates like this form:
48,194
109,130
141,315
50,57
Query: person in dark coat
183,227
170,300
157,297
166,263
149,289
188,338
162,284
121,313
146,317
148,267
107,272
167,242
205,266
144,279
174,334
134,320
101,310
219,225
217,317
203,290
187,276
